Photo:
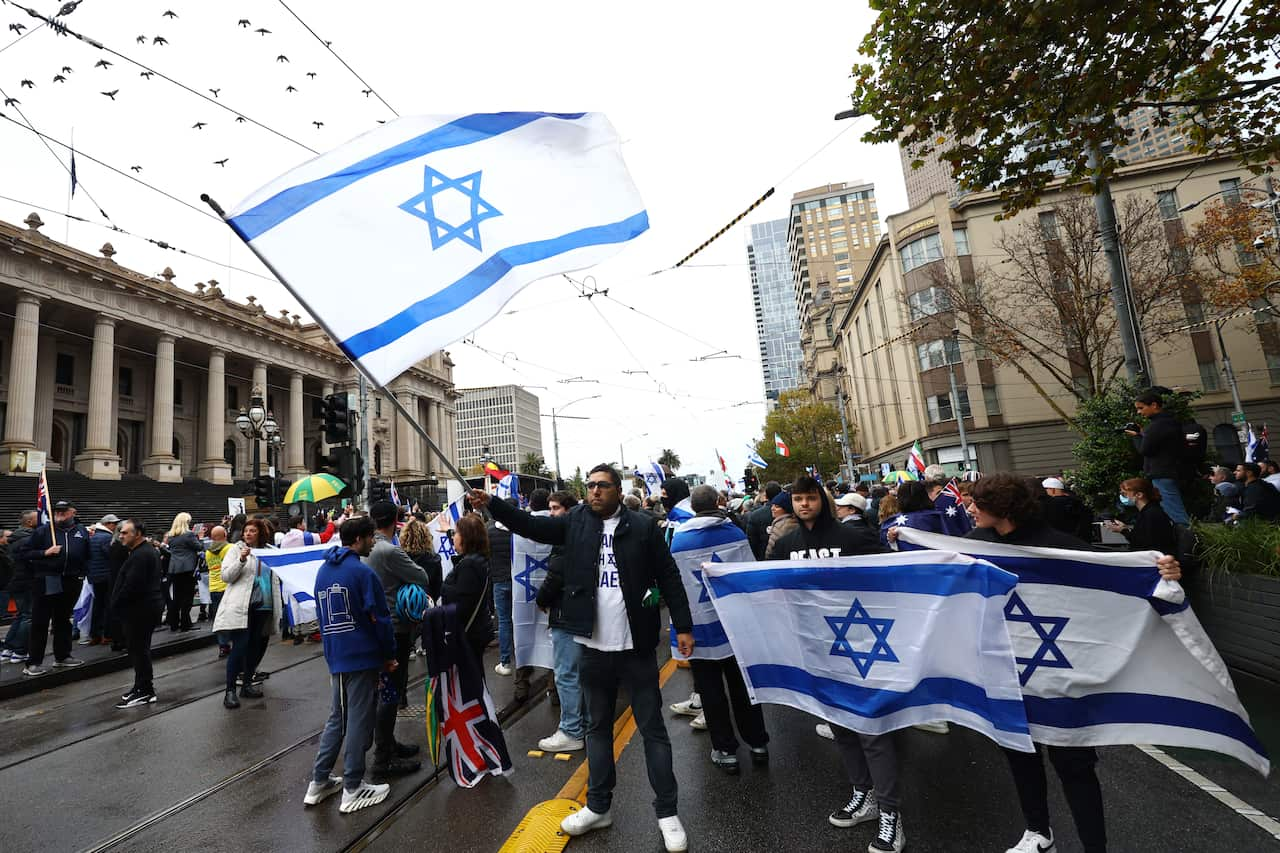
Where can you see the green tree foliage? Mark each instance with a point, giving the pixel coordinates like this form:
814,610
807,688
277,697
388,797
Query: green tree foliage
809,430
670,459
533,463
1014,93
577,484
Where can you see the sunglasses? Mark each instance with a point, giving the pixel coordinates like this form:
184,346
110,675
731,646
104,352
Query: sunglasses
592,485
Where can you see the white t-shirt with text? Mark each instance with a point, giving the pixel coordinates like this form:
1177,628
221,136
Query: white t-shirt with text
612,631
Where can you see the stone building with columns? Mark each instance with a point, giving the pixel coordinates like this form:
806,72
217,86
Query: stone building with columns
111,372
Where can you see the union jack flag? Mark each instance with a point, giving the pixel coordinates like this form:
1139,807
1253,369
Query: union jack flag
953,488
44,503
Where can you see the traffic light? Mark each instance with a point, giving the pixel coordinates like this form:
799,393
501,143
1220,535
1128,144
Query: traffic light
347,464
262,491
750,481
280,490
378,491
337,419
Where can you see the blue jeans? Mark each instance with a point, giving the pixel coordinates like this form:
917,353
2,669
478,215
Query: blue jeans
502,604
16,639
1171,500
568,654
351,717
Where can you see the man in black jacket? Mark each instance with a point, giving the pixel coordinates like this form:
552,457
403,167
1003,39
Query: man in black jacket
1162,445
871,761
1258,498
613,556
136,600
57,554
759,520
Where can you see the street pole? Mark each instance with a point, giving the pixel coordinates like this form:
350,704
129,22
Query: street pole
955,407
555,441
364,439
844,432
1130,337
1237,416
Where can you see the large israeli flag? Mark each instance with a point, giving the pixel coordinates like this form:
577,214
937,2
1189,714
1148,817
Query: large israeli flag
529,562
877,643
1109,653
412,235
706,539
296,569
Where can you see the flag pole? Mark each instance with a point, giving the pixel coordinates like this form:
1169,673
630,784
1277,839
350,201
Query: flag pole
404,413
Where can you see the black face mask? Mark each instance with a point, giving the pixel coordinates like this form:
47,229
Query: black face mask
67,523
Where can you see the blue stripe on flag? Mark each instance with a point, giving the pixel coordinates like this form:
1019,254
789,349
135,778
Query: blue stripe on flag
706,537
705,636
263,217
1100,709
485,276
1005,715
924,578
293,559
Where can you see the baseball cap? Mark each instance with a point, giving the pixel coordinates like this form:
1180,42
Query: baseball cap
110,518
852,499
1053,483
63,505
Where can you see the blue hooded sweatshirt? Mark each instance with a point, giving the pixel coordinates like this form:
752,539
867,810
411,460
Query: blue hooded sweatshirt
352,607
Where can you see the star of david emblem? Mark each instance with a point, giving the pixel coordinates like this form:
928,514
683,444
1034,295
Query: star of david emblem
703,595
423,206
1047,628
524,577
843,647
446,547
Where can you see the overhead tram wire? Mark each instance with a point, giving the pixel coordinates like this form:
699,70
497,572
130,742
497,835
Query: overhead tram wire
21,37
329,48
63,29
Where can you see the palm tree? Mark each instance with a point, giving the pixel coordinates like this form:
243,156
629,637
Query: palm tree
669,458
533,464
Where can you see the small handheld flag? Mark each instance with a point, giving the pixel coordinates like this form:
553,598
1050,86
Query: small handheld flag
780,446
754,458
44,503
915,460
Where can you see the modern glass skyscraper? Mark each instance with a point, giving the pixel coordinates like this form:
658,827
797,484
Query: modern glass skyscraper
777,322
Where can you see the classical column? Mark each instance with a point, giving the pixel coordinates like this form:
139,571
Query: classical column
293,449
162,465
260,386
406,464
325,390
47,354
98,461
20,412
215,468
450,443
433,430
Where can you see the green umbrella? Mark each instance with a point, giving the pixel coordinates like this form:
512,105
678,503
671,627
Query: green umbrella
317,487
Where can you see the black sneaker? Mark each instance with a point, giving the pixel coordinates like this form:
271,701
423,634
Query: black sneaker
407,750
860,809
251,691
394,767
726,761
891,838
124,696
759,755
137,700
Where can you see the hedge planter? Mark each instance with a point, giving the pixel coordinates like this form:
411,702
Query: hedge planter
1241,613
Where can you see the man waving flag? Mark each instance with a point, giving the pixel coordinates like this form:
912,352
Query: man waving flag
442,220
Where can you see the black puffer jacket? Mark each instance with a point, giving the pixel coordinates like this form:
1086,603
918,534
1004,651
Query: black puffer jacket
499,553
1161,445
21,580
827,538
758,522
640,552
467,586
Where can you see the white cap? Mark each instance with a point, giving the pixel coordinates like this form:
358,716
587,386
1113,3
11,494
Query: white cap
852,499
1053,483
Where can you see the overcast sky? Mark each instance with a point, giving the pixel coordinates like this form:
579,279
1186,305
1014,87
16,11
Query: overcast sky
715,103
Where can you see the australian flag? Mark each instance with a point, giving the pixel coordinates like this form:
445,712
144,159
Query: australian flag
469,733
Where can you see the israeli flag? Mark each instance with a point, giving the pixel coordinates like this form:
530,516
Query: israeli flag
754,458
82,613
680,513
296,569
1109,653
529,562
653,477
442,541
877,643
706,539
412,235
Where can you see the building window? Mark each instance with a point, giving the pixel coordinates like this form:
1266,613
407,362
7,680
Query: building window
1230,190
126,382
1167,201
177,392
938,353
1273,367
962,240
1209,378
1195,312
229,455
377,407
317,409
917,253
940,407
1245,256
64,370
233,397
1049,225
377,460
927,302
991,398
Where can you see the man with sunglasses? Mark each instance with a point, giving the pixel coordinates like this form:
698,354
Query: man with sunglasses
612,557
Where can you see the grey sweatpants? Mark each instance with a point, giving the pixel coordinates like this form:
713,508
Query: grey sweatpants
351,718
871,762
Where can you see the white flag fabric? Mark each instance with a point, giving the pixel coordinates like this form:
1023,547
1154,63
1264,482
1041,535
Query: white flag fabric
1109,653
296,569
82,613
877,643
412,235
706,539
529,561
442,541
509,487
653,476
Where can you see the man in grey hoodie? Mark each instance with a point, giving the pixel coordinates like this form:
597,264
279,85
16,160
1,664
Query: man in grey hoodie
394,568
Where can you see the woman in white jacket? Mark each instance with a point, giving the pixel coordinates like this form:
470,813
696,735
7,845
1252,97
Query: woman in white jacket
245,613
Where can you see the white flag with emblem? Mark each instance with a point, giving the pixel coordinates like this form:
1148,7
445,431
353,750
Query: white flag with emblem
529,561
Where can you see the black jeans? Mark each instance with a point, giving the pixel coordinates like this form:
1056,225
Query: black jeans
710,678
602,673
1075,769
99,624
56,608
384,728
248,645
137,631
183,589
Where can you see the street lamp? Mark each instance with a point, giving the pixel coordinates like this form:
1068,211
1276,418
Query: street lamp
555,434
258,424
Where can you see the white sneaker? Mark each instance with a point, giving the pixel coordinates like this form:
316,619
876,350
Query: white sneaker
584,820
699,723
938,727
824,730
891,838
1034,842
503,669
691,707
365,795
320,791
561,742
673,835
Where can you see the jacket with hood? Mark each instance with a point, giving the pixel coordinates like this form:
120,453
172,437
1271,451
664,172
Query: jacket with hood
1161,445
21,580
468,587
99,565
827,538
758,521
643,560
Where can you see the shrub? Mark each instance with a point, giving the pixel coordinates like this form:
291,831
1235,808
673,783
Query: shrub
1251,548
